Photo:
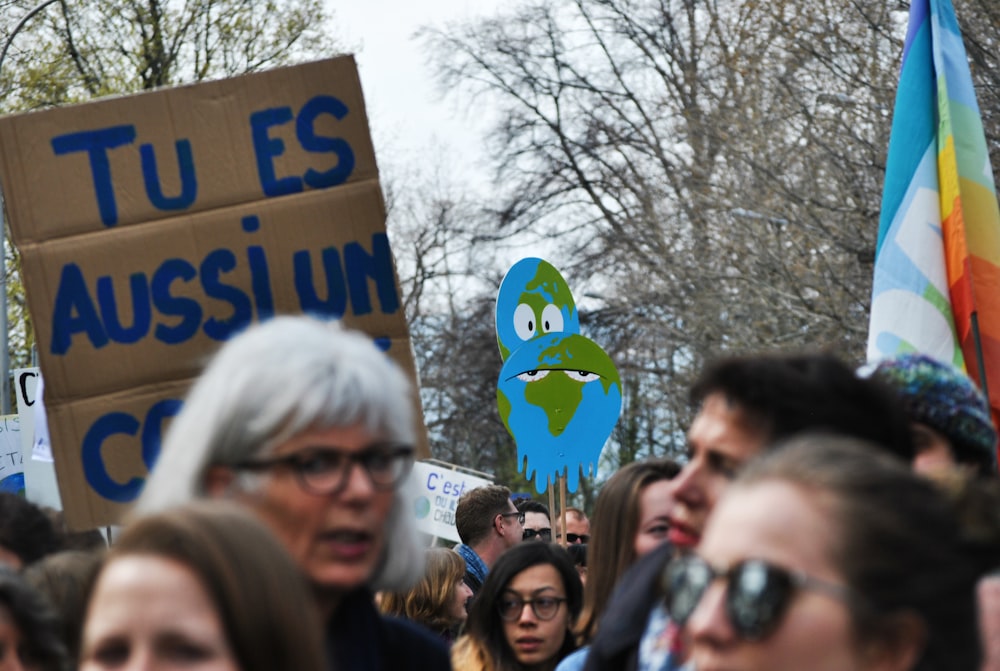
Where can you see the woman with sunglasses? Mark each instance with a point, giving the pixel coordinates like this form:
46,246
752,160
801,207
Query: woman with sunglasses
310,426
827,555
523,616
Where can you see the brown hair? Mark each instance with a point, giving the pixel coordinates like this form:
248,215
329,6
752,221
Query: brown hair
263,602
64,579
484,637
612,535
476,511
429,601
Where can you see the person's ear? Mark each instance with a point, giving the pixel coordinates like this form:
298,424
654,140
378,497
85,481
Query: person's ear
899,645
219,481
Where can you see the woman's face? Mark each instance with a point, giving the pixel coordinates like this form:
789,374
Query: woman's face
150,612
778,523
337,539
13,655
655,502
534,641
460,595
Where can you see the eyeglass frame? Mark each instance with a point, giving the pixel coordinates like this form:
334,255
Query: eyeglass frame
392,449
520,516
572,538
544,534
516,615
797,580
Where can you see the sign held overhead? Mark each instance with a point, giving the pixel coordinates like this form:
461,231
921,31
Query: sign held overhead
153,227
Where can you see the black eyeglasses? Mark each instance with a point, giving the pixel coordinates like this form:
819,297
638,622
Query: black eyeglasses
520,516
576,538
325,470
544,534
545,607
757,593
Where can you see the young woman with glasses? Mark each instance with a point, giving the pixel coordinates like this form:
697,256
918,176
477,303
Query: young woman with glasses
310,426
524,613
826,555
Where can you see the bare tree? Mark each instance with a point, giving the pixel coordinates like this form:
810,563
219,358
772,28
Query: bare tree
712,168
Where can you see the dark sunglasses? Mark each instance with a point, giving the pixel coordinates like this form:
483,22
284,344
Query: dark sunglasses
544,534
576,538
757,593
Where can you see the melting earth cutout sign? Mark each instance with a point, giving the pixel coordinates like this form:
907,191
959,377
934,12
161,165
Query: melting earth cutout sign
559,393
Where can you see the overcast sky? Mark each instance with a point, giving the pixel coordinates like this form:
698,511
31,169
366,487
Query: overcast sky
406,113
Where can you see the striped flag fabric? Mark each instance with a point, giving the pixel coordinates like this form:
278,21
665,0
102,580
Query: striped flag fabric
937,262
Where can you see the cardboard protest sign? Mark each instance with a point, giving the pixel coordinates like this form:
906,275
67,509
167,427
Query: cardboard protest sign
153,227
559,394
438,491
39,475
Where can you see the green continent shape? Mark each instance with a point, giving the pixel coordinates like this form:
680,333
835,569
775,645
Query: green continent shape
558,394
503,406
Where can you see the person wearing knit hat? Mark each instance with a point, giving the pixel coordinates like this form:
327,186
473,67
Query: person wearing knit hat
951,417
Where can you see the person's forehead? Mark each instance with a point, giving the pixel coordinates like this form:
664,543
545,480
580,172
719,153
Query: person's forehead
724,428
536,521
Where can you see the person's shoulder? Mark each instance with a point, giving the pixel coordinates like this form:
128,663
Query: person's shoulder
642,579
411,646
624,619
574,661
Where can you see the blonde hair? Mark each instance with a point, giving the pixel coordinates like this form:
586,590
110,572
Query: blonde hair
469,654
428,602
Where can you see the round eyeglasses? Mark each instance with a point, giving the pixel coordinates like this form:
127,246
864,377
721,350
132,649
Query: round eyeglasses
325,470
545,607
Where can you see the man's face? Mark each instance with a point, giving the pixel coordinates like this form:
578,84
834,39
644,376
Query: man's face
720,441
510,527
539,525
577,529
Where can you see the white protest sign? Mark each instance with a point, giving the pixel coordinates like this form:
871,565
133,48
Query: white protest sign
11,458
39,475
438,490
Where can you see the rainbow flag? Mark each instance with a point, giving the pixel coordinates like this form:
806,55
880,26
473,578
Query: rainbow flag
937,263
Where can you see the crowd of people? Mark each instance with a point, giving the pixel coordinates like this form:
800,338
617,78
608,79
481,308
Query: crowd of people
823,518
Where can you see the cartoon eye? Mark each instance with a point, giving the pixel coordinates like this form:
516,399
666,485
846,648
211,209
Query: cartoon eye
532,375
582,375
552,319
524,322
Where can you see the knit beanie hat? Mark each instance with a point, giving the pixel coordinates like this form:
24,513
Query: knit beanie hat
945,399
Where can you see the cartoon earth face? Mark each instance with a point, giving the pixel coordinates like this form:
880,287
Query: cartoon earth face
559,396
559,393
533,300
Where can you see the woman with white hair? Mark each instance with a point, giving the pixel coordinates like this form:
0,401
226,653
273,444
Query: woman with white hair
311,427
